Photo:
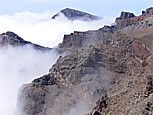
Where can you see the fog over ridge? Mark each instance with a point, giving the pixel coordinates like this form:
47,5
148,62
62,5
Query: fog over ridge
41,29
20,65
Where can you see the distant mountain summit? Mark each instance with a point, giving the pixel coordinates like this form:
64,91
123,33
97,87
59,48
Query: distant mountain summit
10,38
72,14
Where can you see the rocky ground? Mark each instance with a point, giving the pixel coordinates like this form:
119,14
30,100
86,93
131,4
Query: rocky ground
103,72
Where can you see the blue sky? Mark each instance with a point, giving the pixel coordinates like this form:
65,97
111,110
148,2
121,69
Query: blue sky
98,7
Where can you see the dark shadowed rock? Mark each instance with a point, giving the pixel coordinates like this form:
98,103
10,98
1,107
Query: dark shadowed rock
101,104
148,12
126,15
72,14
124,20
12,39
96,113
149,84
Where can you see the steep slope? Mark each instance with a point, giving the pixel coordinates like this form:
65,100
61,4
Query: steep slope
72,14
132,94
112,65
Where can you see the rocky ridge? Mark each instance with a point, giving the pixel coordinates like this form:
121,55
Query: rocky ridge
12,39
72,14
109,70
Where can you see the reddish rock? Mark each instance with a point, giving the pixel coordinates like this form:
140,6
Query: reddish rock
149,67
140,51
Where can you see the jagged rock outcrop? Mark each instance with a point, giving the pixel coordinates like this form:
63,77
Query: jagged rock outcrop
126,15
10,38
80,40
112,65
149,11
124,20
72,14
127,18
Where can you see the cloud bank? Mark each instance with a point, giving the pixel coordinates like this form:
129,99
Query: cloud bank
19,66
41,29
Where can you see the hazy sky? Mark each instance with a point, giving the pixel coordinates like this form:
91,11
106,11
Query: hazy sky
99,7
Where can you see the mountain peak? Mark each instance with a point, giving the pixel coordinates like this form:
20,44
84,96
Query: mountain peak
125,15
73,14
10,38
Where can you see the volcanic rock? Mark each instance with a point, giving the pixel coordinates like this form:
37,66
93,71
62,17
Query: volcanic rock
124,20
72,14
10,38
109,69
149,11
80,40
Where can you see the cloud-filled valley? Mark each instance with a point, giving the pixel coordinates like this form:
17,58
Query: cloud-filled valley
41,29
19,65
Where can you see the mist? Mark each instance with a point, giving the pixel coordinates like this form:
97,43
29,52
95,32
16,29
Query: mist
93,87
20,65
41,29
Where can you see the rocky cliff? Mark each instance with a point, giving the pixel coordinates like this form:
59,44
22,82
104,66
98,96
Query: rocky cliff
108,70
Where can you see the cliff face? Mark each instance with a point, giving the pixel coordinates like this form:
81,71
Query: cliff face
112,65
127,18
80,40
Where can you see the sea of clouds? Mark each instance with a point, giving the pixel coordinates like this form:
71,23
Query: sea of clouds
20,65
41,29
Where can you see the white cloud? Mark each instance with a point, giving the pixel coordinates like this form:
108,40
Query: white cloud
40,29
18,66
